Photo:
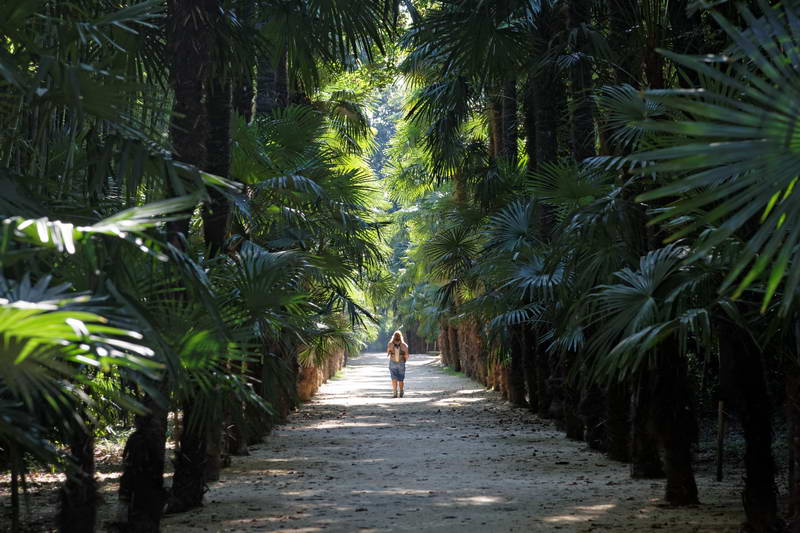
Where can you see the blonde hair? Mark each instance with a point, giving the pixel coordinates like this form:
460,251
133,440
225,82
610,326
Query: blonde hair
397,334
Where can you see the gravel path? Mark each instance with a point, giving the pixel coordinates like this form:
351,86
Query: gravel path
450,456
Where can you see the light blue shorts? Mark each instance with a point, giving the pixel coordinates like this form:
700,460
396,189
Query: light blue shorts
397,370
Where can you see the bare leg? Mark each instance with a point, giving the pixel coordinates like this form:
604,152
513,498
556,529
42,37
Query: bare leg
394,387
401,388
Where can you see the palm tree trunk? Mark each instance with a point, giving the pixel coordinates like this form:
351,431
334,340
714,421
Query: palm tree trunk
537,392
190,30
141,487
592,410
543,389
549,88
235,433
216,214
653,62
216,221
189,480
243,90
548,113
444,343
529,368
258,424
282,385
618,423
509,119
645,461
496,136
244,98
78,505
793,419
654,66
573,425
215,449
529,123
642,447
688,34
673,418
293,363
452,332
266,98
282,78
516,372
751,398
627,64
583,137
188,34
547,84
15,460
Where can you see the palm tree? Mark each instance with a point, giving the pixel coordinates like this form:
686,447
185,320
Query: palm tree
706,159
190,27
582,124
49,381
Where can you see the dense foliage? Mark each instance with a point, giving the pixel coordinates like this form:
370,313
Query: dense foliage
580,203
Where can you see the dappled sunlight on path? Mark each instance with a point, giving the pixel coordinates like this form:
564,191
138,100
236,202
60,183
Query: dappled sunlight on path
449,456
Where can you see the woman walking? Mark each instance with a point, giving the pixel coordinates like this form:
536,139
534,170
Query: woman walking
398,355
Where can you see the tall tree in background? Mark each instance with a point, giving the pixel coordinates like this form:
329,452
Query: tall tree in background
581,85
188,34
190,29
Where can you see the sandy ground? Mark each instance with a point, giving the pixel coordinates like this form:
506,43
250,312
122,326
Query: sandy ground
450,456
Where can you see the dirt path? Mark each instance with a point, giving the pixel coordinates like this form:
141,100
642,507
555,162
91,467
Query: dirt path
447,457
